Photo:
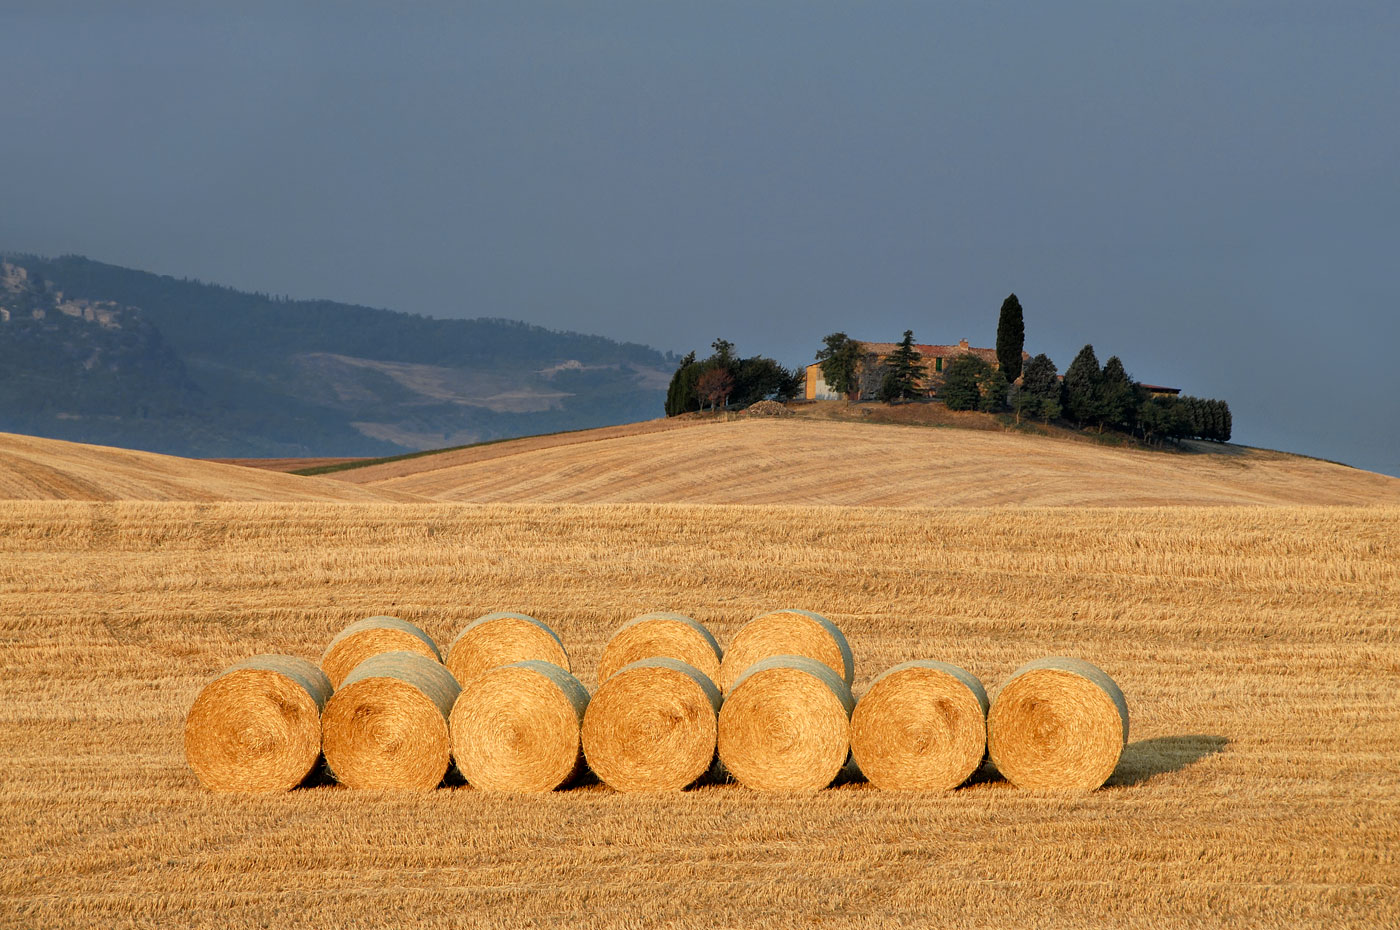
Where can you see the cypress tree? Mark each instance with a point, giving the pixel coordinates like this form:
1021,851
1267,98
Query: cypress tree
1119,395
1011,338
677,393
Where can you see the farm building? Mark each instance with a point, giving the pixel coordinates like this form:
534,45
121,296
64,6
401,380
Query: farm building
935,358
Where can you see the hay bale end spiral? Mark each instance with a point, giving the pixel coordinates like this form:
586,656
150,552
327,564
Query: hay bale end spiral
386,726
652,726
257,727
661,635
503,638
785,725
370,637
921,726
516,728
787,632
1058,723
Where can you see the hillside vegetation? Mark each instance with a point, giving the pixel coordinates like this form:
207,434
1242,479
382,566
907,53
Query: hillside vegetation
811,461
129,358
1256,647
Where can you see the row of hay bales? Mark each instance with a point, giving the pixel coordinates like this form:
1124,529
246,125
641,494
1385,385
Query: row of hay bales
774,712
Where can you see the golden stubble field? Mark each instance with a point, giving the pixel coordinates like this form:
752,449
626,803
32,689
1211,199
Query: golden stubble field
1258,648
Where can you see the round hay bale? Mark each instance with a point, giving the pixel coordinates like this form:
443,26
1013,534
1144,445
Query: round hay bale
661,635
787,632
503,638
386,725
652,726
785,725
370,637
517,727
257,727
922,726
1058,723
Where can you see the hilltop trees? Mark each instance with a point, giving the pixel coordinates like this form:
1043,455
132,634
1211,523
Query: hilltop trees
963,382
840,364
1083,387
750,379
1011,338
1038,394
714,386
682,386
1119,397
902,371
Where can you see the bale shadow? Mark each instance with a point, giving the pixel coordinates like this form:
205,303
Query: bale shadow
1140,762
319,777
1148,758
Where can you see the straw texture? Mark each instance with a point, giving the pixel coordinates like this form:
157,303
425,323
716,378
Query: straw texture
1058,723
517,728
503,638
658,635
787,632
785,725
257,727
386,725
652,726
922,726
370,637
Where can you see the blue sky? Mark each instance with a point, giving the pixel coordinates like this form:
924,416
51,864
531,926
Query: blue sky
1207,190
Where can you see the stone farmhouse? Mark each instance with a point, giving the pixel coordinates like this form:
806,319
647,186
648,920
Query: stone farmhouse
935,360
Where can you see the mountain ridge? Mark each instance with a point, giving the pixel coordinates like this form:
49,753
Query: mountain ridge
247,374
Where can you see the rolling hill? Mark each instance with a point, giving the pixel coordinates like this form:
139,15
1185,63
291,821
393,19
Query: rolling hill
828,462
35,469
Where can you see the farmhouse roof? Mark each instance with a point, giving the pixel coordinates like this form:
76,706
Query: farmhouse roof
937,351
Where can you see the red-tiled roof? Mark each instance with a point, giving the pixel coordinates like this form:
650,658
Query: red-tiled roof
932,351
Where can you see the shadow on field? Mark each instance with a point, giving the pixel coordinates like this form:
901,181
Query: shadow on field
1151,757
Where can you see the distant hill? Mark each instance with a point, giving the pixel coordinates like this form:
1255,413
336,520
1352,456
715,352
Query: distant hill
98,353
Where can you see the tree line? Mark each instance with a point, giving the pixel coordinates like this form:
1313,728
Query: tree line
724,378
1092,396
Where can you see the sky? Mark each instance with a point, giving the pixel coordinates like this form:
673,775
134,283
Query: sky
1208,190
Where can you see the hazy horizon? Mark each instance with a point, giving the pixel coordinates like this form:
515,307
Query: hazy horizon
1207,192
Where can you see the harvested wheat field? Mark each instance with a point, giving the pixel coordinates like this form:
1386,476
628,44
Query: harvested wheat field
50,469
1258,647
809,461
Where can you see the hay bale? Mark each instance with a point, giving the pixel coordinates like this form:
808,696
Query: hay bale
785,725
652,726
386,725
787,632
370,637
503,638
661,635
257,727
1058,723
922,726
517,727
